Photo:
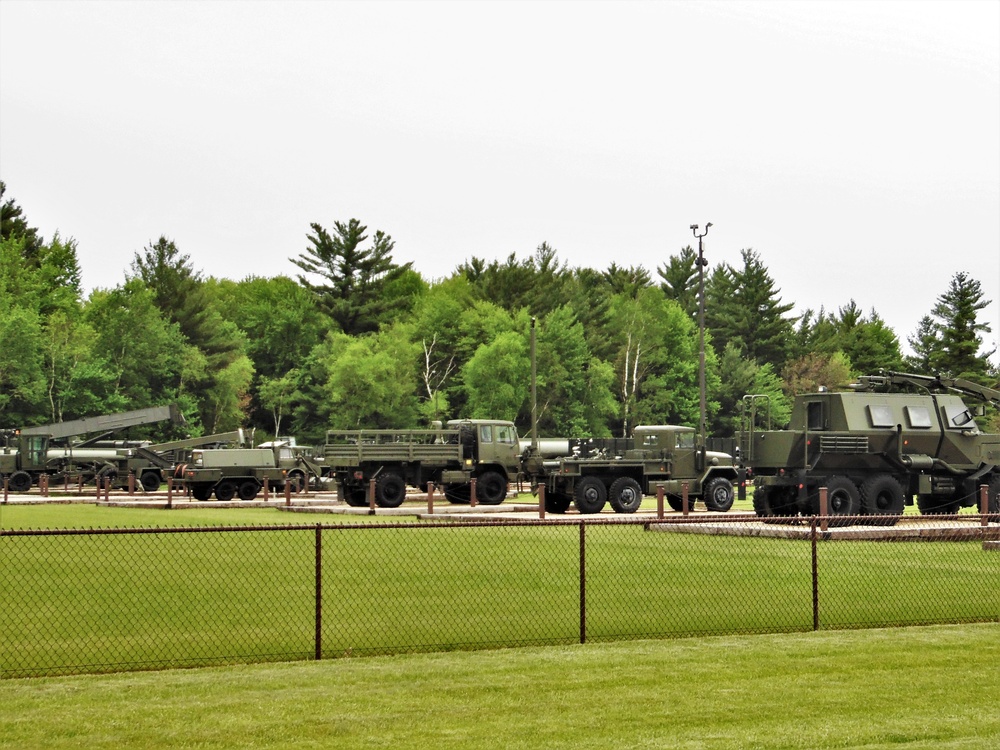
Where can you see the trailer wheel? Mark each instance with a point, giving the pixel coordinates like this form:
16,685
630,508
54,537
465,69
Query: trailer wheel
150,481
390,490
882,497
225,491
19,481
248,490
843,501
557,502
491,488
719,494
625,495
201,491
591,495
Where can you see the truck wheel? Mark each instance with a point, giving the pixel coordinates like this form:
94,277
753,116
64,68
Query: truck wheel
719,494
225,491
150,481
842,499
676,502
882,496
993,492
557,502
390,490
298,480
458,494
625,495
201,491
248,490
19,481
774,501
491,488
356,497
937,505
591,495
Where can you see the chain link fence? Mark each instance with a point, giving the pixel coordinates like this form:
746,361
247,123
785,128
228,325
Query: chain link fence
133,599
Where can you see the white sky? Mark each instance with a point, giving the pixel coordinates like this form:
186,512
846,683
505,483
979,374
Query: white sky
854,145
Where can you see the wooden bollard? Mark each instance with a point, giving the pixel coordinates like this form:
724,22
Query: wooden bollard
685,499
371,497
659,502
541,501
472,493
984,505
824,509
430,498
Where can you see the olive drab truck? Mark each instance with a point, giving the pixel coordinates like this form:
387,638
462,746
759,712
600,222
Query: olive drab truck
32,451
875,449
450,457
591,472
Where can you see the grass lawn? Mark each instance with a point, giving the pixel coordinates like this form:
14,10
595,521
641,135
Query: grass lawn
915,688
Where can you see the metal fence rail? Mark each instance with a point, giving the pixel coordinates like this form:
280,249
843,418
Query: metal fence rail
82,601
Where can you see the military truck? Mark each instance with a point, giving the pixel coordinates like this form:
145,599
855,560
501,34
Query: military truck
232,472
450,456
32,451
624,470
875,449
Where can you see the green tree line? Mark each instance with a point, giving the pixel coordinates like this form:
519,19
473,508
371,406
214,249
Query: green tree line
357,339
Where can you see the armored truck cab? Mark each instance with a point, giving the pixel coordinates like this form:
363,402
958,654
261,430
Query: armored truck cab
875,451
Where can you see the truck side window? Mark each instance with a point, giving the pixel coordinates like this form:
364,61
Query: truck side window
685,440
505,434
485,433
814,415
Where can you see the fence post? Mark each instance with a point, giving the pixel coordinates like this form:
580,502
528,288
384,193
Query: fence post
319,591
371,497
43,484
131,484
583,581
107,489
659,502
824,509
170,493
288,492
685,501
5,490
430,498
984,505
541,501
815,574
472,493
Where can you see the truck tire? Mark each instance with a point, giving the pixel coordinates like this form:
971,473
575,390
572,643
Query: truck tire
771,502
719,495
150,481
19,481
882,497
625,495
248,490
201,491
591,495
491,488
842,499
356,497
390,490
557,502
993,504
676,502
297,479
458,494
225,490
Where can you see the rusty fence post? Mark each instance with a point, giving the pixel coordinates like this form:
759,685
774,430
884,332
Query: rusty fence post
541,502
267,488
472,493
685,499
659,502
583,581
43,485
815,573
170,493
288,492
371,497
131,484
430,498
319,591
824,509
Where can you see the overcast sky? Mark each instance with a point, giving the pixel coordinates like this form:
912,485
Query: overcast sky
854,145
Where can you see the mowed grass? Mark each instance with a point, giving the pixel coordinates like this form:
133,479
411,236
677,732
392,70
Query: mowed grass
917,688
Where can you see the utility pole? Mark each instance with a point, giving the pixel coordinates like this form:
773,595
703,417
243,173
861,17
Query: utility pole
701,326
